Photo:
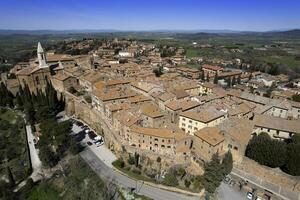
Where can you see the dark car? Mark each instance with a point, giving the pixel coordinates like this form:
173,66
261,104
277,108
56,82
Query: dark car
85,127
79,136
89,143
78,123
92,135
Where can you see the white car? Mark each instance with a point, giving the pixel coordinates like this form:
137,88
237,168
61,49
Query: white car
249,195
97,138
99,143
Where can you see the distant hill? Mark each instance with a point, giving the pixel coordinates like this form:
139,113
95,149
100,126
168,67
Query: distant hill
180,34
295,33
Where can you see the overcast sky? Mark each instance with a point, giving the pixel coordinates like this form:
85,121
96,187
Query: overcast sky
250,15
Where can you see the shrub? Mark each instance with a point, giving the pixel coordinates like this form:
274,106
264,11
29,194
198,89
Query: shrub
136,171
127,168
158,159
187,183
131,160
119,163
170,179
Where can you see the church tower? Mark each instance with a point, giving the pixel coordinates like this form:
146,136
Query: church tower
41,56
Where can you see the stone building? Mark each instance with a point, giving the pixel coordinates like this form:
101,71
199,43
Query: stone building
35,77
207,142
277,128
192,121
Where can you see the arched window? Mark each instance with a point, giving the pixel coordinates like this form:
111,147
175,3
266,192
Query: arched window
37,80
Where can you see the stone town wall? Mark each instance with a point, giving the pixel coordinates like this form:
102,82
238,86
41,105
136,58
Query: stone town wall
82,110
273,179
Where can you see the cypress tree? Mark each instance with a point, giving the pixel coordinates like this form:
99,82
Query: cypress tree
227,163
207,77
10,177
228,82
239,79
202,76
233,81
216,78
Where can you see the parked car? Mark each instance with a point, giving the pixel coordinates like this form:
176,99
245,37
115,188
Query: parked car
97,139
226,179
85,126
92,135
79,123
249,195
232,183
89,143
99,143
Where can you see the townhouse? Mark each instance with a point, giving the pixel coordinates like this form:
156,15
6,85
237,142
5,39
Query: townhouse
192,121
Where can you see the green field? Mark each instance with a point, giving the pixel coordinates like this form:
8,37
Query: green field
286,60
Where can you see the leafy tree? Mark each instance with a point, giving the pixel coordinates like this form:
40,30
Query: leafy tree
213,174
292,165
296,97
159,71
47,156
75,148
266,151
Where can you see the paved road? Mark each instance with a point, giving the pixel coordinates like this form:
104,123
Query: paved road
225,192
108,173
35,160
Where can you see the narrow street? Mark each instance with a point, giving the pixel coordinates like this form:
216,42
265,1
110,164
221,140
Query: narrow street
35,160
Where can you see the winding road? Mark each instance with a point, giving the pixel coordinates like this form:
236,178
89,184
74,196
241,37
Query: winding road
108,173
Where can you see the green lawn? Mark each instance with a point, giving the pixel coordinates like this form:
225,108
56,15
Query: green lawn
191,53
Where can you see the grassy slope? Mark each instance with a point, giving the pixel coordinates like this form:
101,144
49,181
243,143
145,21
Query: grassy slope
78,182
20,165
